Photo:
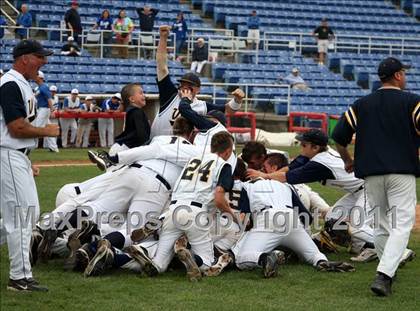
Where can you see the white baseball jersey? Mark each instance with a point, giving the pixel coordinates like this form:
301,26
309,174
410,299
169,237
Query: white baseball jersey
73,104
162,124
6,140
263,193
234,194
199,179
343,180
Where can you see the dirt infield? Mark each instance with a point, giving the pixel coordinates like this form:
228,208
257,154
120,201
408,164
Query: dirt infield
417,224
62,163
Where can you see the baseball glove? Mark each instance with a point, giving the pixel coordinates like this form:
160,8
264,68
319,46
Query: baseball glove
335,266
324,242
338,236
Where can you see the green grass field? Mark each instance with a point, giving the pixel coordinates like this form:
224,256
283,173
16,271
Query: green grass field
299,287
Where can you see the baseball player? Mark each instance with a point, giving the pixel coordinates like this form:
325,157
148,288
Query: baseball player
386,155
275,224
83,131
169,95
203,181
51,142
318,162
17,137
44,103
71,103
106,125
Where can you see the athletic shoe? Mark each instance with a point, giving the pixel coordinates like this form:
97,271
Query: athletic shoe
382,285
193,271
223,261
25,285
82,258
86,232
142,233
270,264
334,266
103,259
139,254
181,243
53,150
408,255
36,238
366,255
73,244
101,159
324,242
45,246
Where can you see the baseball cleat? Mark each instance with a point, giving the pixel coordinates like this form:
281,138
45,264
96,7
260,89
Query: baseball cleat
44,248
408,255
101,159
142,233
270,264
382,285
324,242
103,259
366,255
36,238
334,266
181,243
83,256
223,261
139,254
73,244
193,272
25,285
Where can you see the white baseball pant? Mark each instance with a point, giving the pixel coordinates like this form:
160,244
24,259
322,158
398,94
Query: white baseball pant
106,126
393,197
83,133
42,119
180,219
66,125
19,209
197,66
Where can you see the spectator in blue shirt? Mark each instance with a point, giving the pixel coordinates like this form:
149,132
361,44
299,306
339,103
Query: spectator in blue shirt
253,30
2,23
105,23
24,20
180,29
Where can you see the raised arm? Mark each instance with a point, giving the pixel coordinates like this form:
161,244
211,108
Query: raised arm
162,53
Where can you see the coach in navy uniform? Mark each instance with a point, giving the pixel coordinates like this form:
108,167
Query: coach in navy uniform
387,129
19,198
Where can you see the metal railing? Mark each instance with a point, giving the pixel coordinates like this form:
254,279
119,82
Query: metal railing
249,102
30,30
298,41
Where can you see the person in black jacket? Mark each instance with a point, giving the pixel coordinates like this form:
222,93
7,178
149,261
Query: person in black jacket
73,22
136,125
200,56
147,17
386,156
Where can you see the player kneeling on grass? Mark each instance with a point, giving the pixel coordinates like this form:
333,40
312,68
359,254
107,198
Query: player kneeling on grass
202,182
275,224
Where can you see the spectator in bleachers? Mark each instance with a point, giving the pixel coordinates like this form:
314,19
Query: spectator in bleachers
123,27
200,56
323,34
70,48
24,20
73,22
295,80
71,103
106,125
2,23
253,30
44,105
147,17
180,28
105,23
85,124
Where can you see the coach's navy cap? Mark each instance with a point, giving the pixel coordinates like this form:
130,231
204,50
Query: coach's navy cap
191,78
217,114
389,66
314,136
30,47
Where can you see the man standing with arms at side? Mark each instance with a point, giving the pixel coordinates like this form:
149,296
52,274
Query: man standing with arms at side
73,22
19,198
387,129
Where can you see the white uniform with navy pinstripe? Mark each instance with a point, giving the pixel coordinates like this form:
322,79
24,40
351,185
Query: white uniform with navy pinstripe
19,199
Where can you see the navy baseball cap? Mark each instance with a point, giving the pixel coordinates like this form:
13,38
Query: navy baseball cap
389,66
191,78
217,114
313,136
29,46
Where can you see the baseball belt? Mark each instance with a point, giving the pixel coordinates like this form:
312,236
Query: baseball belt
158,177
193,203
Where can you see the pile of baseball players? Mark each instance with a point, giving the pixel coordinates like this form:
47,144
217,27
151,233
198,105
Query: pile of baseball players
186,197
